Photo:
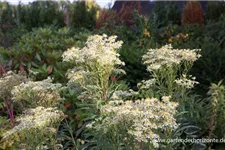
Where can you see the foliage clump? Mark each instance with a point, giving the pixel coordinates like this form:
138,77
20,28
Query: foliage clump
39,14
82,14
106,19
166,13
216,119
215,10
125,15
193,13
39,52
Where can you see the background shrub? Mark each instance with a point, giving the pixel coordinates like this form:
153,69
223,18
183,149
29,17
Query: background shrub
40,51
107,18
165,13
193,13
82,15
125,14
40,13
215,10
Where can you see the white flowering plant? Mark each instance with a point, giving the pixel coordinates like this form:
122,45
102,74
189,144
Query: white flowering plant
136,124
166,64
38,100
94,77
36,127
95,63
37,93
7,83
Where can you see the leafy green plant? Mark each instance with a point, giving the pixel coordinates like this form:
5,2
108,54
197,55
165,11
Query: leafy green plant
165,13
39,52
81,15
214,10
67,136
39,14
216,123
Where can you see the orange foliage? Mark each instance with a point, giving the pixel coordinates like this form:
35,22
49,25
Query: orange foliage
193,13
125,14
106,16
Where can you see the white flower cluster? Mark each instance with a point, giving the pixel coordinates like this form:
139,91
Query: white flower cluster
37,118
99,49
167,56
9,80
185,82
39,93
146,84
94,64
144,119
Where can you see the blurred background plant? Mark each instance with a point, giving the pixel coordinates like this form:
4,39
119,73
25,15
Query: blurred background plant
215,10
193,13
82,14
39,52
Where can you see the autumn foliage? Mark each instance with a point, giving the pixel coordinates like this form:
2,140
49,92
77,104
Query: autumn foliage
125,14
106,16
193,13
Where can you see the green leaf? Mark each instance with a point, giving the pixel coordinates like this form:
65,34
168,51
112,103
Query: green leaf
38,56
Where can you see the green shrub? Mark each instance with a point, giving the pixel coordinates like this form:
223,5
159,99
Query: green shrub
40,51
39,14
216,118
137,39
10,31
7,14
215,10
82,15
131,54
165,13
